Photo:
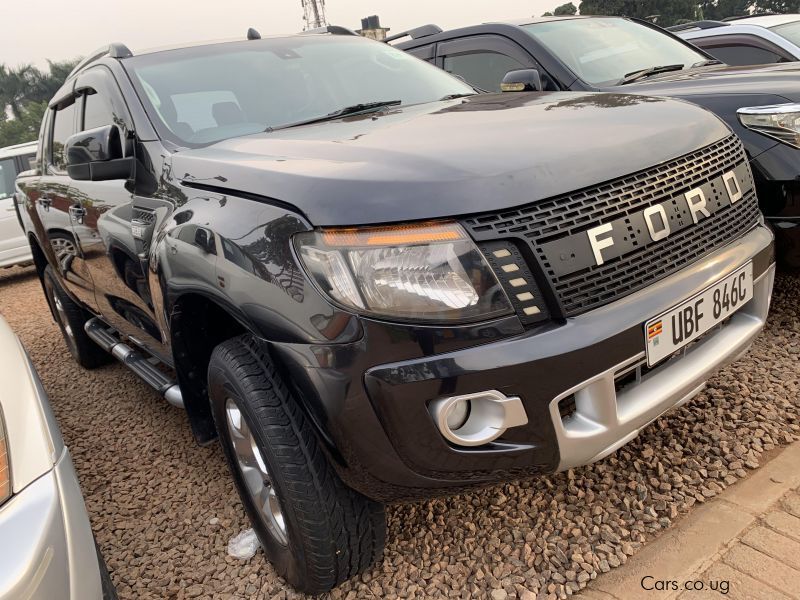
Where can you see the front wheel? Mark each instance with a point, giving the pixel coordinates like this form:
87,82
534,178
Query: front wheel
316,531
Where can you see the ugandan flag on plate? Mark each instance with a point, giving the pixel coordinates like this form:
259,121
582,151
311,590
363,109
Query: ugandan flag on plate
654,330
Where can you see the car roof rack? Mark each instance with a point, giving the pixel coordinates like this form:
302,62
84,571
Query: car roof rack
332,29
416,33
760,14
698,25
114,50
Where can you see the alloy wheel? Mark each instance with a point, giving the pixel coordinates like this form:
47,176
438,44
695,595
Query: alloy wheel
254,472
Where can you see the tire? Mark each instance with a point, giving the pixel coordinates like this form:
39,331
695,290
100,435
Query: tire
330,532
71,318
109,591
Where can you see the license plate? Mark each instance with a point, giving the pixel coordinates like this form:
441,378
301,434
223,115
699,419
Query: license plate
686,322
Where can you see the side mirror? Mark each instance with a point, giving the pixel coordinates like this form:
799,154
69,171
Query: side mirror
205,240
96,155
522,80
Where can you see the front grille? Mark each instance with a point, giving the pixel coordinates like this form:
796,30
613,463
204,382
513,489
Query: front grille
546,221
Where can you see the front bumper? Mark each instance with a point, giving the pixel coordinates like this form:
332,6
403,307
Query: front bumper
48,550
608,415
381,435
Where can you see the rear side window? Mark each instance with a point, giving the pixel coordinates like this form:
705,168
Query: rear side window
63,128
743,55
481,68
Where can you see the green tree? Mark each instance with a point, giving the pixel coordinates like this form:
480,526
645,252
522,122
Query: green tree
23,128
721,9
778,6
24,93
663,12
566,9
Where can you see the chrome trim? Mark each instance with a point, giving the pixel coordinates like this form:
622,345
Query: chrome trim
174,396
121,352
605,420
491,414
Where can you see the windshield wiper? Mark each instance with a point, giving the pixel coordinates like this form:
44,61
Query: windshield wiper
355,109
642,73
707,63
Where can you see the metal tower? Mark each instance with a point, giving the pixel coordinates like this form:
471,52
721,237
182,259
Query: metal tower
314,14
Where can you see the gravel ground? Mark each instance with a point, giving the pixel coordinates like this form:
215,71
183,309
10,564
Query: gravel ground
164,509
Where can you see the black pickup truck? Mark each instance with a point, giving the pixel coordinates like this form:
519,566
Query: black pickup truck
761,104
372,283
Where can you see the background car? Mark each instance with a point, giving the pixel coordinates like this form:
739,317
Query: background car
754,40
48,550
620,55
14,248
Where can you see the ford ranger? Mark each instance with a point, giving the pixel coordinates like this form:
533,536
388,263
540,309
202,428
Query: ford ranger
371,283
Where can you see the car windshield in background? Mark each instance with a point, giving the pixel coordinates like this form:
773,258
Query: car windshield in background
791,31
206,94
603,51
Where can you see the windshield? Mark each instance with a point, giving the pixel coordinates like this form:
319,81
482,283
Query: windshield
601,51
791,31
210,93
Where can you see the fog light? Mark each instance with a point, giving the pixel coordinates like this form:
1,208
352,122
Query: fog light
477,419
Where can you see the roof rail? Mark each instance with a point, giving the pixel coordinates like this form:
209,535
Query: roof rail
416,33
332,29
758,14
115,50
698,25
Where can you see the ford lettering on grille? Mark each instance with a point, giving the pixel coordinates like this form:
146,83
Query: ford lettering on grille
618,237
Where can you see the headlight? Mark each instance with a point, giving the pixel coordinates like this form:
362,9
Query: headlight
781,121
5,467
419,272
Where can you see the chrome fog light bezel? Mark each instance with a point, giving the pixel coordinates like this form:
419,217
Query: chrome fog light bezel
491,413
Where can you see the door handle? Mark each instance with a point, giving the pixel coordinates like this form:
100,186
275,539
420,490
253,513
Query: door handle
45,201
77,212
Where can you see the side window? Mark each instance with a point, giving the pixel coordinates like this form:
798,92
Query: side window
97,111
482,68
63,127
7,175
743,55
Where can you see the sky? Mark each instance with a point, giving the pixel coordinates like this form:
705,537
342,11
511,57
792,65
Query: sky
58,29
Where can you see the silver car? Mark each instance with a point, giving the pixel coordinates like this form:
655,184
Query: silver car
47,550
748,40
14,247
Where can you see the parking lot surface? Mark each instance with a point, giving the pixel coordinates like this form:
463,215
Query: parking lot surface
163,509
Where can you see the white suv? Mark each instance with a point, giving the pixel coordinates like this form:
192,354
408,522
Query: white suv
14,247
755,40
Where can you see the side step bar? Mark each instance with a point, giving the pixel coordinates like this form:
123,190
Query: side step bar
145,368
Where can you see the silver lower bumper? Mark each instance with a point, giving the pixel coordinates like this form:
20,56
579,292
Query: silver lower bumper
605,419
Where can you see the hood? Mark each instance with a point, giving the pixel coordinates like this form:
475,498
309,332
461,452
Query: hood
781,80
445,159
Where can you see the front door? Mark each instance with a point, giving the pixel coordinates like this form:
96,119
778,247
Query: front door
104,214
